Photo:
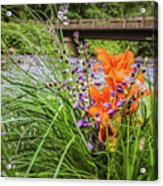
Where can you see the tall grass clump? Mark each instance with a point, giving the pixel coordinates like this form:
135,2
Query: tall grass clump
60,120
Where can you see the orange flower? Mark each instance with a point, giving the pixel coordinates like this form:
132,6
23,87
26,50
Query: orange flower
124,86
112,136
98,107
121,63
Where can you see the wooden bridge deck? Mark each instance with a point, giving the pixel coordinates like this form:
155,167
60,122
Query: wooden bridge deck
132,28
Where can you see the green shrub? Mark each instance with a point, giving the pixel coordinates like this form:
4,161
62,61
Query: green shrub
26,38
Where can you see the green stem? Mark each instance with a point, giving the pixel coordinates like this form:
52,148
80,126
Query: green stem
127,152
107,151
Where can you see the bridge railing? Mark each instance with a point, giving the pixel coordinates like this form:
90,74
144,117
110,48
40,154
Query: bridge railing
112,23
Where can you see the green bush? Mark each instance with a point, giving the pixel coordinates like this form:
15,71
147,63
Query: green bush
26,38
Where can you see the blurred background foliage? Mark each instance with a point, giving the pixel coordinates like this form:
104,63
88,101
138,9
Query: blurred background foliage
37,39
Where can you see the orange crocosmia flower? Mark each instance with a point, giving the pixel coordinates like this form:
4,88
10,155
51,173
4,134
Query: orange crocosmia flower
93,110
98,107
120,62
102,55
110,83
95,94
106,94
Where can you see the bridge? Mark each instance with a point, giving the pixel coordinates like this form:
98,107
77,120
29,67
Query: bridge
131,28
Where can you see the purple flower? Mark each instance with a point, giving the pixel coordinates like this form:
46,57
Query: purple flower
61,57
112,111
120,90
77,61
84,47
124,83
89,65
68,88
64,51
132,74
83,95
84,71
118,86
97,114
131,80
98,119
90,137
92,75
135,69
76,34
90,146
77,81
80,122
129,102
74,70
67,61
83,63
112,93
144,71
81,77
120,103
65,83
97,83
93,101
100,145
54,82
107,105
138,65
64,71
97,125
83,88
76,104
82,107
73,88
86,124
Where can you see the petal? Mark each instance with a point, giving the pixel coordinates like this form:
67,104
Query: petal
93,110
112,132
129,57
106,93
120,95
110,83
104,118
95,94
107,67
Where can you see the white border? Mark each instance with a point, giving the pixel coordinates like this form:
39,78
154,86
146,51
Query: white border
58,182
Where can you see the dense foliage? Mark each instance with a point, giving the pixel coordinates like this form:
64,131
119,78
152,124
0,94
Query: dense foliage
27,38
